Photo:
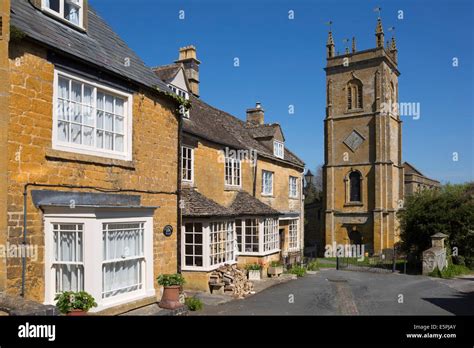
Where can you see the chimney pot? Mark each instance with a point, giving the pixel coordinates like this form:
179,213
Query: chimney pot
256,116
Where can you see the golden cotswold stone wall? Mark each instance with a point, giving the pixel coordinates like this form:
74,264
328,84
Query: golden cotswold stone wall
32,160
4,103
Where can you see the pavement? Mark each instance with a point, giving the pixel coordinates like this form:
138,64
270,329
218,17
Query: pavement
332,292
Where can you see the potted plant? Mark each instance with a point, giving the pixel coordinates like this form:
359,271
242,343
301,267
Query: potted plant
275,269
171,287
74,303
254,271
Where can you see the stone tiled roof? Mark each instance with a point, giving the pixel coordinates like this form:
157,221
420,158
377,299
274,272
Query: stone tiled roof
99,46
263,131
167,72
221,127
198,205
246,204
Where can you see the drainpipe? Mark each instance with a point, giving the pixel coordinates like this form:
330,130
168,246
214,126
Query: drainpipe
23,256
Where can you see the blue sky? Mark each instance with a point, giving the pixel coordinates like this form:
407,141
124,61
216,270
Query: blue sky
282,60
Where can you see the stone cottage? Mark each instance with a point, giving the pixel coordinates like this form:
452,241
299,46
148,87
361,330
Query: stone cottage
89,159
241,186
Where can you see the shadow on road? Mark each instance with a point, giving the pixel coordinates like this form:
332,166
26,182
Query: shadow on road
461,304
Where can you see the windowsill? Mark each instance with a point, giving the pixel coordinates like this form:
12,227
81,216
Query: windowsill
353,110
267,195
354,204
266,253
294,198
53,154
232,188
186,183
206,269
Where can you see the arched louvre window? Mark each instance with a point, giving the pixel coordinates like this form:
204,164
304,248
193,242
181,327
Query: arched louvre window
354,186
354,95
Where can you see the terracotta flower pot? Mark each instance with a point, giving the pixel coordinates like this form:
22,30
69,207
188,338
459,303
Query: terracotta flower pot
170,298
77,313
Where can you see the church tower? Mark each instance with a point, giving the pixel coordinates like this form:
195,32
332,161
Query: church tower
363,172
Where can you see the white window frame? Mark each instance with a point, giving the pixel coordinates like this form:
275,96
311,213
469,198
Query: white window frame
278,149
271,235
232,163
293,187
89,150
263,241
60,14
192,163
264,191
293,240
206,248
93,220
244,235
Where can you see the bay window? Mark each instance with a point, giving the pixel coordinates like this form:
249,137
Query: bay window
90,118
193,242
69,10
208,245
271,238
247,231
107,255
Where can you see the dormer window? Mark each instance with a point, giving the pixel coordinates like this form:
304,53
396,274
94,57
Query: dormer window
278,149
182,94
68,10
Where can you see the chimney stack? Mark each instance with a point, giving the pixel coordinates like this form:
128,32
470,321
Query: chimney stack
255,116
187,57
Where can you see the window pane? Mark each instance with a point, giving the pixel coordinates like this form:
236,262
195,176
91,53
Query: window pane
118,106
108,141
109,103
100,139
63,88
118,126
88,136
71,12
52,5
109,121
119,143
76,134
63,131
100,119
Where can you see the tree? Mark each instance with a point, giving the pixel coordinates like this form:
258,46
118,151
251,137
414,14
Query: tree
449,210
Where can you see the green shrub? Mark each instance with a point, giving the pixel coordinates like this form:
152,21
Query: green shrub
459,260
193,303
298,270
171,279
70,300
253,267
450,271
313,266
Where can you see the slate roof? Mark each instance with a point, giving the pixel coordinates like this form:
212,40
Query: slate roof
198,205
246,204
99,46
167,72
223,128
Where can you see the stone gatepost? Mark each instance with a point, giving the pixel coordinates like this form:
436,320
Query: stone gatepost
435,257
